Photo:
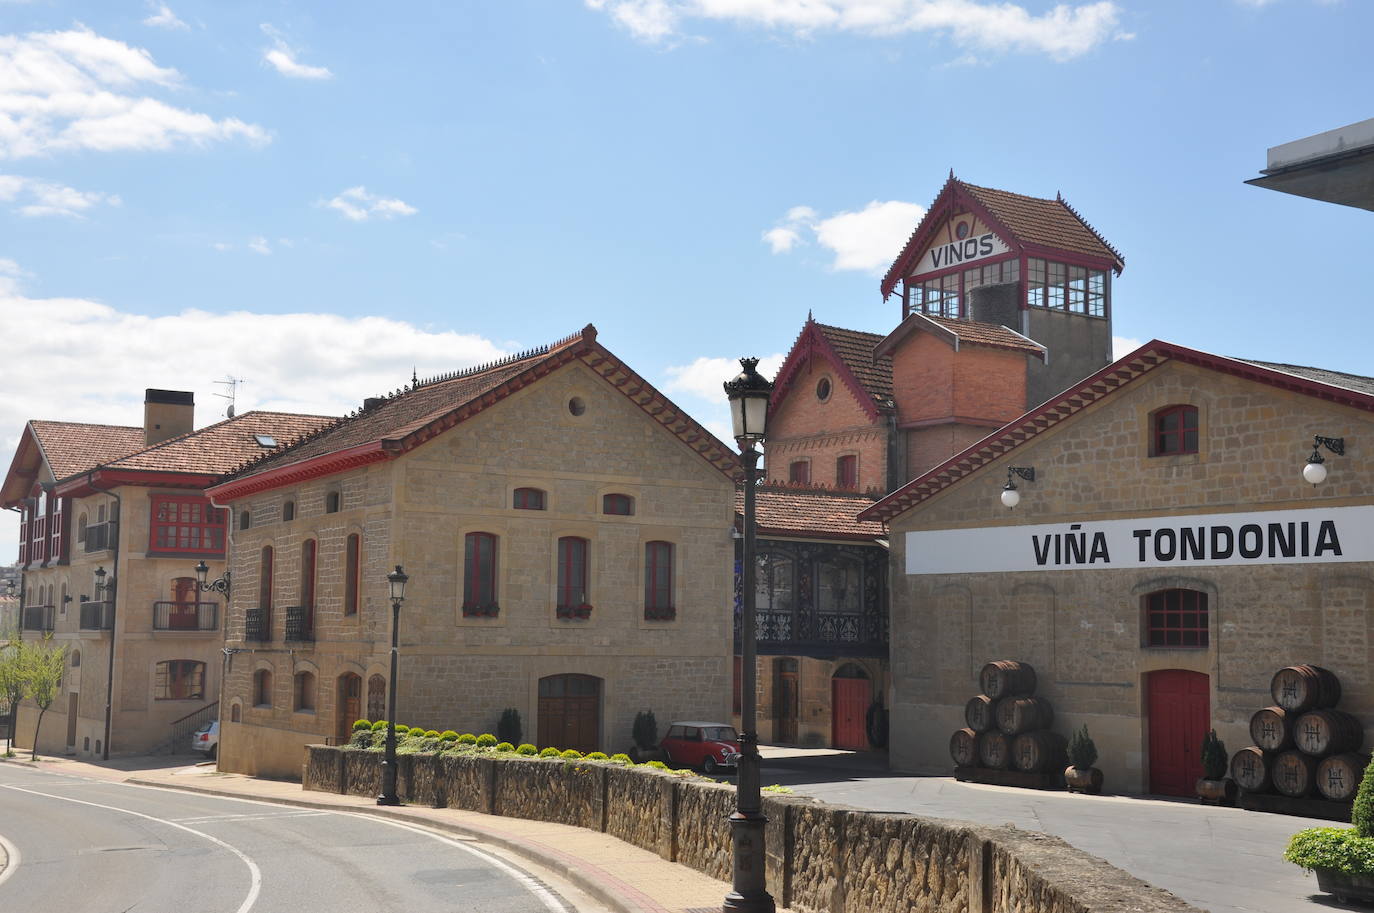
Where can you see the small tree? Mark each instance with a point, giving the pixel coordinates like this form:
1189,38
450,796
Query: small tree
1362,814
1214,760
1082,751
646,730
44,663
508,727
13,681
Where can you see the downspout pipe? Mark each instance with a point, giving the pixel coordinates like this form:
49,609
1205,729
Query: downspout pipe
114,612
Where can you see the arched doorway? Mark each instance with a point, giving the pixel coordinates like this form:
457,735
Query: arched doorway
1179,713
350,705
570,712
785,700
850,694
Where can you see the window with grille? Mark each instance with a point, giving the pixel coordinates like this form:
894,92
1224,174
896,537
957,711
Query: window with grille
186,524
1176,618
479,575
179,680
658,581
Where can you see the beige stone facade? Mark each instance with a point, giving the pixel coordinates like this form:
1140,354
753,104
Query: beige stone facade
457,671
1084,630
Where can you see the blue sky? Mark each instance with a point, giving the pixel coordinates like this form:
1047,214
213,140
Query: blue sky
315,197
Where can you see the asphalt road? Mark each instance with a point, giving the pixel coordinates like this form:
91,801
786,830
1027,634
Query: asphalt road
90,846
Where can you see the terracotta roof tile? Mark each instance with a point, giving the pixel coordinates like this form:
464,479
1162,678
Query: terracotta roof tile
73,447
218,448
811,512
855,349
987,334
1052,223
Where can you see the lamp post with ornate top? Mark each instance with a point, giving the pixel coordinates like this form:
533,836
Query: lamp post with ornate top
397,580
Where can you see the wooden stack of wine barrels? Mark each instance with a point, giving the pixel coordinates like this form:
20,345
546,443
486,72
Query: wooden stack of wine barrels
1008,726
1304,747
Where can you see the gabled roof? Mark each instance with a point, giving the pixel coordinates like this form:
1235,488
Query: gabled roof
1033,221
956,332
1344,389
67,448
792,511
409,417
850,352
218,448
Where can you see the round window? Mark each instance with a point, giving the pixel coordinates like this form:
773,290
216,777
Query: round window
576,406
823,389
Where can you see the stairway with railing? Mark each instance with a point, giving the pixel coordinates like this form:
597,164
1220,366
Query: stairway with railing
179,739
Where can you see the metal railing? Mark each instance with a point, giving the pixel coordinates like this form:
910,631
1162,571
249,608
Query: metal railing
38,618
300,624
257,625
185,616
100,536
97,616
179,740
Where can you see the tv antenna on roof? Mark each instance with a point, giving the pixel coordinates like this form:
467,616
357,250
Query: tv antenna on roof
232,383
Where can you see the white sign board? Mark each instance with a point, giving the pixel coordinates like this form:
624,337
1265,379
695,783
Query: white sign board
956,253
1317,536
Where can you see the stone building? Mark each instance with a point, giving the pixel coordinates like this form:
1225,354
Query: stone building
1167,558
567,535
128,501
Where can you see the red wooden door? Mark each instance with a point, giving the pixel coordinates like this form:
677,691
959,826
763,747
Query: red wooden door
849,700
1180,714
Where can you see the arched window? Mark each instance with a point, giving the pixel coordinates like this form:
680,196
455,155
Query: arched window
618,505
235,713
1174,431
376,698
1176,618
658,581
304,692
572,578
81,529
179,680
262,688
76,659
288,511
479,575
245,520
353,551
528,499
839,586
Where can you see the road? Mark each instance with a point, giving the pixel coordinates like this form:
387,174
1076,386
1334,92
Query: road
91,846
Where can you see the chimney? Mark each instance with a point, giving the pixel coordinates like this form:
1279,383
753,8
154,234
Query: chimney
166,414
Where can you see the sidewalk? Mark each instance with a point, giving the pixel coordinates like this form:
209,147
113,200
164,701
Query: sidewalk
624,877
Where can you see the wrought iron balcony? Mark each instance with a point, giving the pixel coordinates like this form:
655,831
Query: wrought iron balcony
300,624
257,625
185,616
97,616
38,618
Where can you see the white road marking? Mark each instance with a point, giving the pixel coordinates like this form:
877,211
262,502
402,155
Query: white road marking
236,818
12,852
254,872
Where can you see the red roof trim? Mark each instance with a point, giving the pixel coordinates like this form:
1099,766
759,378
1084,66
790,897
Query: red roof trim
1105,382
82,484
811,341
294,473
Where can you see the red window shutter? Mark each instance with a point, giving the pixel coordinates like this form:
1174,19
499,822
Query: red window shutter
56,537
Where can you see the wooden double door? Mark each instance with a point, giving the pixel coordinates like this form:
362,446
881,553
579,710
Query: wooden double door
1180,714
570,712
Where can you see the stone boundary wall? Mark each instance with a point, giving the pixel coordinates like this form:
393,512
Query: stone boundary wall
822,858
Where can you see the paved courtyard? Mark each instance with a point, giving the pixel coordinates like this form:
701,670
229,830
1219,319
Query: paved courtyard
1225,860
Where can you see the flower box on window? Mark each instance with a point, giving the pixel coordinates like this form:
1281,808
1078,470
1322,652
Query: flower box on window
667,613
481,611
575,611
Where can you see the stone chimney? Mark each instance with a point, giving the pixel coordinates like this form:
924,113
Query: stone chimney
166,414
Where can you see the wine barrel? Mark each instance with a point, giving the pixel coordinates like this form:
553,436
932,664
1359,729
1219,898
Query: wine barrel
1250,768
1294,773
1039,751
1023,714
1338,777
994,750
1327,732
1300,688
1272,729
1006,677
980,713
963,748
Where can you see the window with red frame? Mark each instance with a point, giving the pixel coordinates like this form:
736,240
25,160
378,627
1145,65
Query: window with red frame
529,499
265,579
658,581
618,505
799,472
479,575
572,577
847,471
1176,618
353,549
183,523
55,530
179,680
308,550
1175,430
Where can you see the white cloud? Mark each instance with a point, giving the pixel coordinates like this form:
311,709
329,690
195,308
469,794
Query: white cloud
37,197
868,239
1124,345
259,245
1063,32
283,58
164,18
703,380
63,91
357,205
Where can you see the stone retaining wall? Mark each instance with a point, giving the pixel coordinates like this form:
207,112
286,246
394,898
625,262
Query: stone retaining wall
821,858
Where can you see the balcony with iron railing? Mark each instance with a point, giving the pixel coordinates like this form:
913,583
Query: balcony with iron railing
97,616
100,536
300,624
185,616
38,618
257,625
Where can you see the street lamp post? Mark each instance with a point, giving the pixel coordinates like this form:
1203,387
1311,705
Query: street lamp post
105,592
397,579
749,394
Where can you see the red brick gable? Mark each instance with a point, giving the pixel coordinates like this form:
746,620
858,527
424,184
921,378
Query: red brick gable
850,354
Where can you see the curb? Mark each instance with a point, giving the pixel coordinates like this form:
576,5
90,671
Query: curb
605,887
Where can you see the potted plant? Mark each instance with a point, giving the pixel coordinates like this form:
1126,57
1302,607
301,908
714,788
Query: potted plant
1080,775
1214,787
1342,857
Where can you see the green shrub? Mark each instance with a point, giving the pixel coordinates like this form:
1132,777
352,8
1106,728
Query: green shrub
360,725
777,788
467,738
486,740
646,730
504,746
1082,751
656,765
1362,814
1214,757
571,754
421,731
508,727
431,733
597,756
622,758
448,735
1339,848
549,753
379,726
527,750
362,738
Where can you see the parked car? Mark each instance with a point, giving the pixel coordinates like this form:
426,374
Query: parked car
709,746
206,739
